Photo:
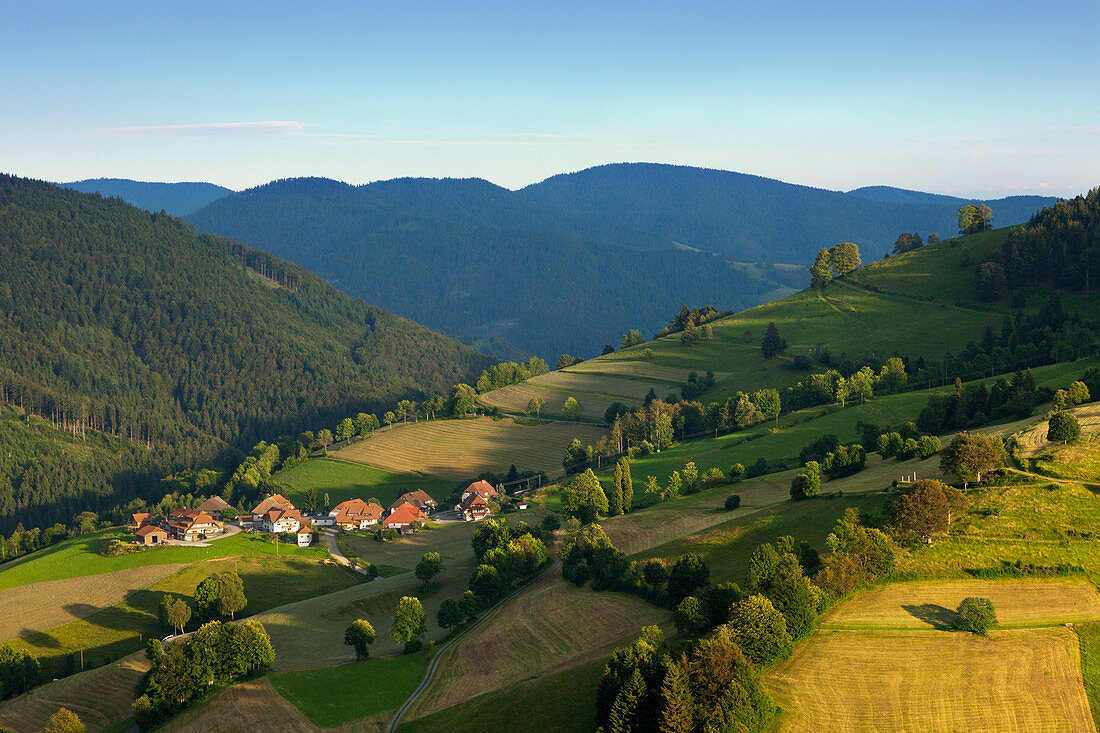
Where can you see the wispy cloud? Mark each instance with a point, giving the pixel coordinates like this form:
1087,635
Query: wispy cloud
271,128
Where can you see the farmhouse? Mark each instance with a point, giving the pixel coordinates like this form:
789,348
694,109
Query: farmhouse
258,516
213,506
403,517
281,520
418,499
356,514
191,524
305,536
150,534
474,507
482,488
139,520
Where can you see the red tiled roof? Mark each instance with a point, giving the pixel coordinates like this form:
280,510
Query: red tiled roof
149,529
141,517
214,503
482,487
404,514
274,501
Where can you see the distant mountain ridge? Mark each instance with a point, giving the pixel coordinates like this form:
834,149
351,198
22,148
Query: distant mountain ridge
481,262
568,264
753,218
890,194
177,199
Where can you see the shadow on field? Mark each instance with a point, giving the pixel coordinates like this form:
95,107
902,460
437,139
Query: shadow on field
936,616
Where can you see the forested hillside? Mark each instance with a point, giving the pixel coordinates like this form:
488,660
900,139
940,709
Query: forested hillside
123,322
478,261
177,199
753,218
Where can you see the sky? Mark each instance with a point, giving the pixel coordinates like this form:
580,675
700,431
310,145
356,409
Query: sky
981,99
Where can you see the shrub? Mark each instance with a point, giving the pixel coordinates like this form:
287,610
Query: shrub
733,501
713,476
737,473
976,615
687,576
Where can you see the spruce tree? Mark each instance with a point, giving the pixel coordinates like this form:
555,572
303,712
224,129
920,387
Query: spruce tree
615,501
628,486
624,712
676,702
773,344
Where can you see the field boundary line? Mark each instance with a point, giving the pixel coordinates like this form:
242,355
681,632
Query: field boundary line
429,674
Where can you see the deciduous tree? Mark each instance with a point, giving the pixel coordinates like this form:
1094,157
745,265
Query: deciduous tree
408,621
430,565
360,635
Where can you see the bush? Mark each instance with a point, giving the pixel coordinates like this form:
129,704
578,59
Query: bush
760,468
976,615
733,501
713,476
737,473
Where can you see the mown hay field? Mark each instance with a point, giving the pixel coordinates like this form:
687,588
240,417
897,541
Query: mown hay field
927,604
1034,441
461,449
247,707
101,697
883,681
595,384
40,606
553,626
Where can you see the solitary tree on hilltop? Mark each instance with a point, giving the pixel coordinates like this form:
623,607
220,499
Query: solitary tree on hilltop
973,219
843,258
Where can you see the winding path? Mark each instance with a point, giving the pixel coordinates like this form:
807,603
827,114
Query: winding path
429,674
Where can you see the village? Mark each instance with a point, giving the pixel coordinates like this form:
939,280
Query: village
277,515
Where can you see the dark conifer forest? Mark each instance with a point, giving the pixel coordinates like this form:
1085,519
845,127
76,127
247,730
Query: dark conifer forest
178,348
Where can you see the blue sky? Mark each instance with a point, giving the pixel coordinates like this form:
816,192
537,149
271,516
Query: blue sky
976,99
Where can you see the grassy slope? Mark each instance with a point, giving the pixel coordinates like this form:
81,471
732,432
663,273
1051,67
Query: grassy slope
342,480
457,450
920,303
798,429
354,690
106,635
80,556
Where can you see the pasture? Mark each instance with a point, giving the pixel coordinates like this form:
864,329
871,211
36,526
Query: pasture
342,480
333,696
1074,461
81,556
1020,680
458,450
101,697
118,630
310,633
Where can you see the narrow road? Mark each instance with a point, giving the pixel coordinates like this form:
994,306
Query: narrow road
329,537
429,675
